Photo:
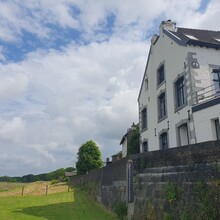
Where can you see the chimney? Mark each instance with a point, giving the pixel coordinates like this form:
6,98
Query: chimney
168,25
133,126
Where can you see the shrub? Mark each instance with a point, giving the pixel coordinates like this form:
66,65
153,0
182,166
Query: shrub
171,192
121,209
167,216
54,182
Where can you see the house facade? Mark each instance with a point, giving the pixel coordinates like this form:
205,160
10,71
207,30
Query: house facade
179,99
130,141
124,144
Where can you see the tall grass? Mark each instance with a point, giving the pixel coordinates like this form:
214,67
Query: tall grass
36,188
10,186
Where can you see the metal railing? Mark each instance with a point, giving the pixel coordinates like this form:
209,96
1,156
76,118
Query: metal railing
206,93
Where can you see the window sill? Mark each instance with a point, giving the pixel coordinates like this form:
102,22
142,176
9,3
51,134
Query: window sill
180,107
159,85
161,119
144,129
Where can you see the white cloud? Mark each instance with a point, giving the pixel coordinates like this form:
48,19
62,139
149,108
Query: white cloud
117,114
41,149
12,85
55,100
14,19
14,164
71,96
12,130
131,19
206,20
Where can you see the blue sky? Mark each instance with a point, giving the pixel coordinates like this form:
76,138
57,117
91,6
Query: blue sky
71,71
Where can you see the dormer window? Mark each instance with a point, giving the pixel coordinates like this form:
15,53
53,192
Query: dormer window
191,37
217,39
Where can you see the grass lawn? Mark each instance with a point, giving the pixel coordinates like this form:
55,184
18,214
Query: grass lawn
58,206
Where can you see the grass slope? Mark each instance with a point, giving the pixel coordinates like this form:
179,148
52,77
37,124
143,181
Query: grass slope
58,206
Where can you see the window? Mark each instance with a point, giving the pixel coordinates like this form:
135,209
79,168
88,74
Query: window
216,80
217,39
145,147
164,141
191,37
144,118
180,92
162,106
160,75
217,128
183,136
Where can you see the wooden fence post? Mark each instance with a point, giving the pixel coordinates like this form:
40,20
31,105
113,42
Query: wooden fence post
22,191
46,189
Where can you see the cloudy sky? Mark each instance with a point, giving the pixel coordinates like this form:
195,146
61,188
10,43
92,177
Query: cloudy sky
70,71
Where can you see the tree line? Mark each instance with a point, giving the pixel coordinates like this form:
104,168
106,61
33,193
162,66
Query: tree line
89,159
58,175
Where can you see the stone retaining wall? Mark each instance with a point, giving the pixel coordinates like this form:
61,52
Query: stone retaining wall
155,173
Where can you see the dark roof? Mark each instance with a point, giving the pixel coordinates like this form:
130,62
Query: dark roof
204,38
68,174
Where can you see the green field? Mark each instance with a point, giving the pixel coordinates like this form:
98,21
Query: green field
57,206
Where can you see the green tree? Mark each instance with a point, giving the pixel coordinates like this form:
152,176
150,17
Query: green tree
58,174
89,158
133,141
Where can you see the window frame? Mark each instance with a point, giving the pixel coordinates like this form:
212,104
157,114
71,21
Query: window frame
216,80
162,136
160,80
217,128
180,93
162,106
144,118
180,129
145,146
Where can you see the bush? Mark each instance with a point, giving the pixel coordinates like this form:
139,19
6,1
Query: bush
167,216
54,182
171,192
121,209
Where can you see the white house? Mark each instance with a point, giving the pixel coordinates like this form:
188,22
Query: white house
124,141
179,100
124,144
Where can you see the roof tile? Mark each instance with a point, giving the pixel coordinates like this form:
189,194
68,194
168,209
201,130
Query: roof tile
204,36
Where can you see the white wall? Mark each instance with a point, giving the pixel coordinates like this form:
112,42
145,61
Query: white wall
174,56
124,148
173,65
204,123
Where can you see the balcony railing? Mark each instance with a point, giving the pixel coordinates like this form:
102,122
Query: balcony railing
206,93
